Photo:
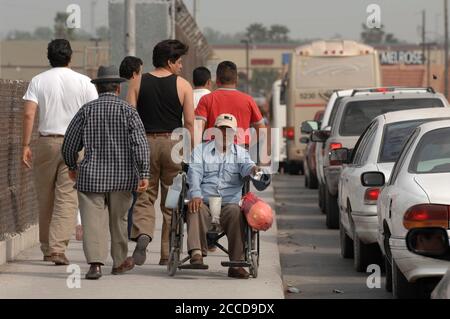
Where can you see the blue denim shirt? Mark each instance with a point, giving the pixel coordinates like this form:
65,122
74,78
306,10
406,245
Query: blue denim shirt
213,173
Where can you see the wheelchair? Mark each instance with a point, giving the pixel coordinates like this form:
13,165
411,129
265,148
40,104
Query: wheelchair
251,243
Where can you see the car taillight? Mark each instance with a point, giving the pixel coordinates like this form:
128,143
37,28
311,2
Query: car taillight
383,90
289,133
371,196
334,146
427,215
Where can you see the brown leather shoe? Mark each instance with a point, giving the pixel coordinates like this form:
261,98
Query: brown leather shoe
95,272
127,265
239,273
48,258
196,260
163,261
60,259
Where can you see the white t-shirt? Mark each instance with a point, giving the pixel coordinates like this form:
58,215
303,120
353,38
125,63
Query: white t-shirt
59,92
198,94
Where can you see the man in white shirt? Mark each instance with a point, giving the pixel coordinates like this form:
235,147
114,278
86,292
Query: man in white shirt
202,83
58,94
202,86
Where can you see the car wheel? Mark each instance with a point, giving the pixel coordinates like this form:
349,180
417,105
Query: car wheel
294,168
346,243
388,279
365,254
312,181
332,211
401,288
321,198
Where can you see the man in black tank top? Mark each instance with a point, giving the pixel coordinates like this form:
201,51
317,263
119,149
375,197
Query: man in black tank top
163,99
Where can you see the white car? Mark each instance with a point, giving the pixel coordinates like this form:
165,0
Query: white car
413,212
376,151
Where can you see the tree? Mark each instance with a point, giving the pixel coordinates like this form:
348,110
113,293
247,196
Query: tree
43,33
19,35
61,29
372,35
102,33
377,36
391,39
262,79
278,33
257,32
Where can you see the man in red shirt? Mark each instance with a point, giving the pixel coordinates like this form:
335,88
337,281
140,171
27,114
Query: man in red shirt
227,99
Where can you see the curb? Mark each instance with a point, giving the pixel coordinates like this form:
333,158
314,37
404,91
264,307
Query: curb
15,244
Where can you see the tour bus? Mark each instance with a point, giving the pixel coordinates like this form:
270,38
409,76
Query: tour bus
315,71
278,116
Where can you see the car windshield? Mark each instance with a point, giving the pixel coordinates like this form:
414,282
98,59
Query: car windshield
394,138
358,114
432,154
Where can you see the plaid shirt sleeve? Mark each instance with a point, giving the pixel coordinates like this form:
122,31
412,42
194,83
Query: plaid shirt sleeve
139,146
73,140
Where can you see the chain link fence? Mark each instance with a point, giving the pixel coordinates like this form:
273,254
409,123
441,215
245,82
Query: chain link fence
18,204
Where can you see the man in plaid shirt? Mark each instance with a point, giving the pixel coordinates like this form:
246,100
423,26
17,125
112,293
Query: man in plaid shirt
116,162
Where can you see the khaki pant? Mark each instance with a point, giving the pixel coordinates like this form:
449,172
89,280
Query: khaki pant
56,196
162,171
96,209
232,222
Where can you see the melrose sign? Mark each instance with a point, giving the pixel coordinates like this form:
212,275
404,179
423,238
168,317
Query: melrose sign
401,57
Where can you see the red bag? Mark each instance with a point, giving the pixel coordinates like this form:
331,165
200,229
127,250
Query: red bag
258,213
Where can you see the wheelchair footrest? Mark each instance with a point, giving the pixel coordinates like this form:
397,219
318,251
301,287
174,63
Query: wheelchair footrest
235,264
190,266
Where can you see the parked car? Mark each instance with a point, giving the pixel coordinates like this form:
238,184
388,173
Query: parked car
334,100
413,212
376,151
309,161
352,116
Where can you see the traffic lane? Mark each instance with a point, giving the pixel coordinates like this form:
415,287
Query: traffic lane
309,252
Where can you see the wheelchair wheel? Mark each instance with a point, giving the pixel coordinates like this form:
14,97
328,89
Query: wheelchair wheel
174,255
252,251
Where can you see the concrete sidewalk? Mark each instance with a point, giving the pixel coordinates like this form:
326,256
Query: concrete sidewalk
29,277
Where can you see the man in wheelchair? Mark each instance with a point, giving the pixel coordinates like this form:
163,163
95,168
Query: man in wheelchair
218,168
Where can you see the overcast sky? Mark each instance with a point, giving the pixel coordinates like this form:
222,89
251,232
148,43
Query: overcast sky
305,18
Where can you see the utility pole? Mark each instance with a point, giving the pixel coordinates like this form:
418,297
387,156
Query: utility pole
446,46
174,13
247,63
93,4
130,27
423,36
195,11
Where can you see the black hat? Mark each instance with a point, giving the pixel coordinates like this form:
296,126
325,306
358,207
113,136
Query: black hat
108,74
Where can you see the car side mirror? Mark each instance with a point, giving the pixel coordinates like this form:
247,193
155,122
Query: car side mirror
320,136
372,179
340,156
304,140
430,242
308,127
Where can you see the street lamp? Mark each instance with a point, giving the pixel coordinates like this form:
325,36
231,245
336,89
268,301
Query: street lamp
247,57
